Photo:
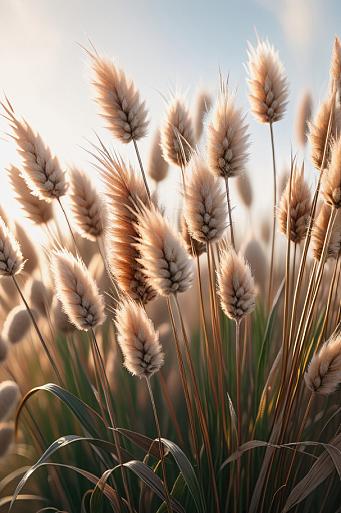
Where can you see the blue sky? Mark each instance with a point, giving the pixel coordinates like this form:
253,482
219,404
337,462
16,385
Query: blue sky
165,47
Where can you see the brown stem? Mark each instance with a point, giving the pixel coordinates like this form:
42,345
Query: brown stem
274,213
162,456
229,211
141,168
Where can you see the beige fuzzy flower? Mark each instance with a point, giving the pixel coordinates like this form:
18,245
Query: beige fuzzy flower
77,291
164,258
227,139
205,207
11,259
303,118
236,287
203,105
177,139
327,120
331,179
157,166
9,398
138,340
324,372
119,100
268,83
319,233
298,204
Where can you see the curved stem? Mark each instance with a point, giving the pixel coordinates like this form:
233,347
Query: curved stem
68,223
35,325
274,213
162,456
229,211
141,167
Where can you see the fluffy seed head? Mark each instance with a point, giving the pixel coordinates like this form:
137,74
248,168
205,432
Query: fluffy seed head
35,209
119,101
41,170
244,189
11,259
77,291
227,139
298,204
87,207
319,233
9,397
194,247
125,190
331,179
164,258
157,166
177,139
236,287
17,324
138,340
303,118
335,67
328,118
256,257
205,207
28,248
60,320
202,108
324,372
267,83
6,438
40,296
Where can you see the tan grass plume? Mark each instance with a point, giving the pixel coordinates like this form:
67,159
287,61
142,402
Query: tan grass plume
11,259
61,321
88,208
331,179
194,247
323,375
303,118
157,166
35,209
164,258
177,139
227,142
335,67
205,206
9,398
203,105
119,101
236,287
41,170
268,85
319,233
17,324
328,117
77,291
40,296
244,189
28,248
297,204
125,190
138,340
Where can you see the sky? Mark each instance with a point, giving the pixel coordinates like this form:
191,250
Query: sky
165,47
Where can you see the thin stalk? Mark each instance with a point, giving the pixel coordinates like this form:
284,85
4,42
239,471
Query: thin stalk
229,211
238,401
35,325
274,213
184,382
329,302
106,391
68,223
162,456
141,168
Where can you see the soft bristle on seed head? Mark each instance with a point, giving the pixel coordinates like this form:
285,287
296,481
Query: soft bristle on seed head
138,340
335,67
194,247
319,233
177,139
125,191
331,179
227,139
157,166
119,101
324,372
77,291
202,107
17,324
303,118
297,202
87,207
164,258
268,84
9,397
205,207
244,189
11,259
236,285
327,122
34,208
